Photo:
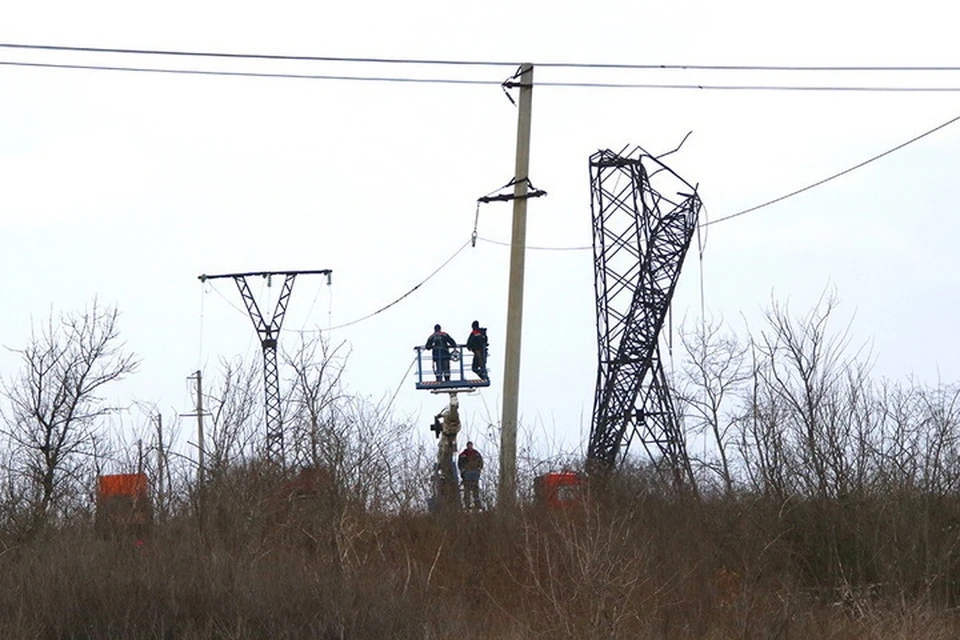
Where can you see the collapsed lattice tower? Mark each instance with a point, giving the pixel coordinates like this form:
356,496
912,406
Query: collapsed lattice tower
641,234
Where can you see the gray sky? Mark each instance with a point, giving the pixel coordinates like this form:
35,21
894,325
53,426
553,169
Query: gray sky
127,186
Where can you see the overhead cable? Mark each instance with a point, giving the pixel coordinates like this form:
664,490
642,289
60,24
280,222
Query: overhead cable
835,175
813,185
387,306
248,74
487,63
253,56
464,81
535,248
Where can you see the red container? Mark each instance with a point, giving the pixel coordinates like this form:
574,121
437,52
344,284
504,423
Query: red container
559,490
133,485
123,506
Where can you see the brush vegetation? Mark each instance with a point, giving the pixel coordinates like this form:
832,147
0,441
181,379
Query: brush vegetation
821,503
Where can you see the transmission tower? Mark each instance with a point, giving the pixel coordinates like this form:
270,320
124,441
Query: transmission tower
269,333
640,237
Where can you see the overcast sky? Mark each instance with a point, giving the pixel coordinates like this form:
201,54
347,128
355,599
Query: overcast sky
127,186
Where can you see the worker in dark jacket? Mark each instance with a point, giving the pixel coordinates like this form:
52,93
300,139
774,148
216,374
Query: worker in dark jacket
440,344
477,343
470,464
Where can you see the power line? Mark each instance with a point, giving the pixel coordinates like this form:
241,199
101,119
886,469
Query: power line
254,56
487,63
836,175
463,81
248,74
749,87
387,306
534,248
808,187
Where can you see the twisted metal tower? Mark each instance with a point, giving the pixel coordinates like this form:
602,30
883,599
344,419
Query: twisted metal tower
641,234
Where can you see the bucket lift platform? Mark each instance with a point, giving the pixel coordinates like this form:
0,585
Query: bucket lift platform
461,377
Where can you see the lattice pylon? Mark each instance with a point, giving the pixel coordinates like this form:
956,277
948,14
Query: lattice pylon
268,333
640,238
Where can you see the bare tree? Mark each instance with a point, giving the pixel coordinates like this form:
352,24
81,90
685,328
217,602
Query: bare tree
55,403
763,445
315,392
369,454
236,407
714,370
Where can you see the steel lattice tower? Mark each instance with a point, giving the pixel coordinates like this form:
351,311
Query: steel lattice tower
269,333
640,237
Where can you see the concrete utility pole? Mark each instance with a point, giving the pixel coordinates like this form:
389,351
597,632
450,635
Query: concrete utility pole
199,414
160,500
507,489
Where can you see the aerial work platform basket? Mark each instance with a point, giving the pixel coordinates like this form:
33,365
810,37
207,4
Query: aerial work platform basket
448,374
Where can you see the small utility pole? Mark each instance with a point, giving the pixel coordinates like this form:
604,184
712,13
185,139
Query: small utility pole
507,489
160,465
201,463
201,446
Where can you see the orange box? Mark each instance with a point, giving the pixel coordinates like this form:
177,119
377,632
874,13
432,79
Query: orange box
133,485
559,490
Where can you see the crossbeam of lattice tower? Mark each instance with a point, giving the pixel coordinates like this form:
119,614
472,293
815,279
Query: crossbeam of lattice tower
269,334
641,233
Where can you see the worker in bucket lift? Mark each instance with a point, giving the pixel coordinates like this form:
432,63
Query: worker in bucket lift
477,343
470,464
440,344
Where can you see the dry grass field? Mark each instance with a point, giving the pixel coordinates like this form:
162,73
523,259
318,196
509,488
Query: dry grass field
636,564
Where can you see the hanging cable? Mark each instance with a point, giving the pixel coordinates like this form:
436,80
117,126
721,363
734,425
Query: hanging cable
536,248
701,245
227,300
203,297
777,199
387,306
393,398
836,175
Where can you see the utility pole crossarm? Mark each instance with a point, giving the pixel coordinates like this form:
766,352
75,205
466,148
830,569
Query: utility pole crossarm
264,274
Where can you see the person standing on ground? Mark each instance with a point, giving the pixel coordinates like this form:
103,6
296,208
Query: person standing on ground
440,344
470,464
477,343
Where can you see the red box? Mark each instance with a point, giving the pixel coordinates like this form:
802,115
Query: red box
559,490
133,485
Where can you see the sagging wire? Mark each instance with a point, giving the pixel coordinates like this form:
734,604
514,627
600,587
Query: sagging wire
203,299
387,306
537,248
701,248
835,175
393,398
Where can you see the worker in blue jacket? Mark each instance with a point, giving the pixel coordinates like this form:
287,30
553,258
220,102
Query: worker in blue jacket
440,344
